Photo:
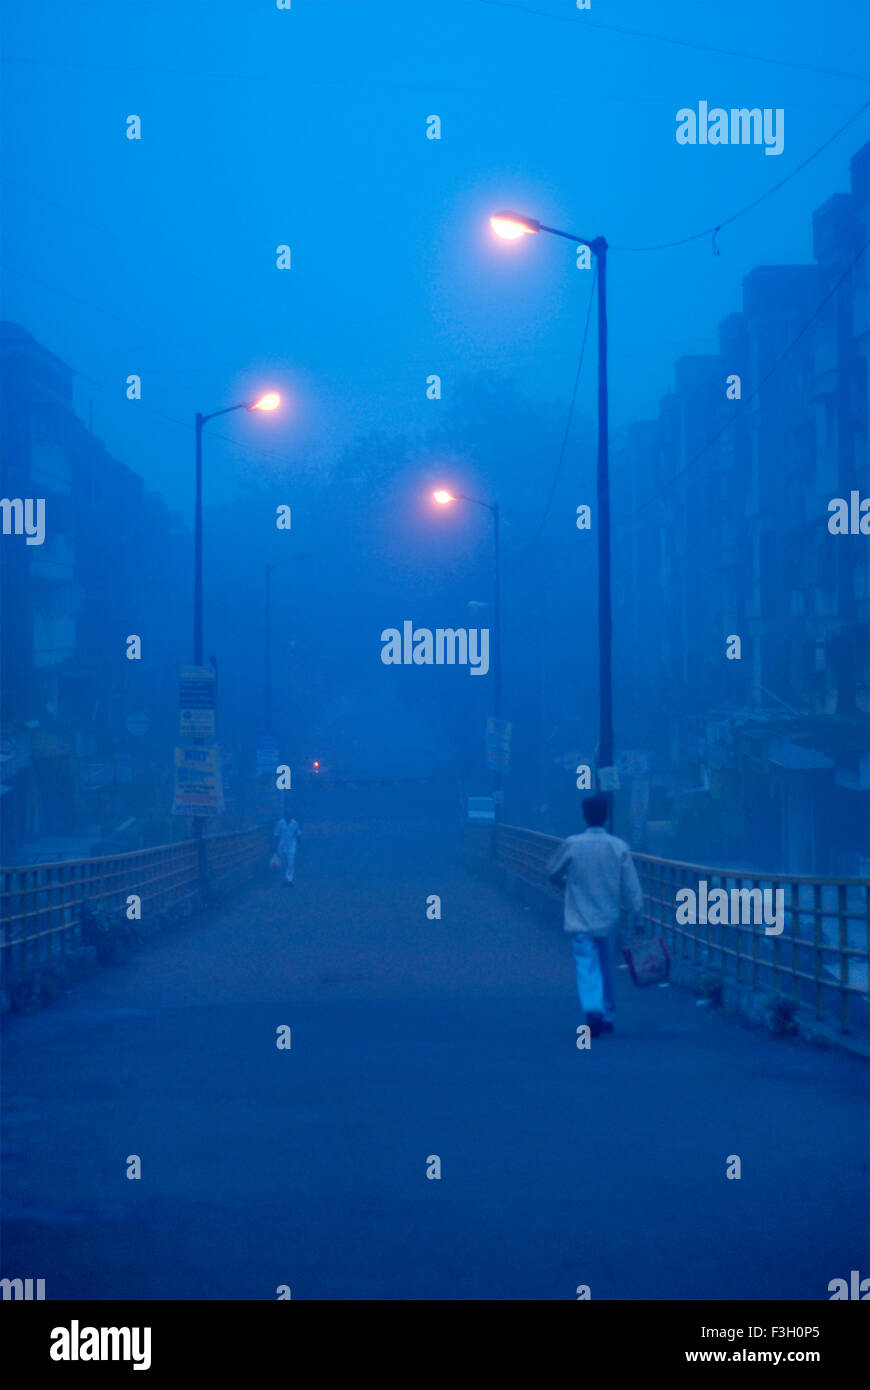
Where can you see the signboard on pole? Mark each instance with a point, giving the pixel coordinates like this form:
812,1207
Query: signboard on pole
267,755
498,744
198,789
197,701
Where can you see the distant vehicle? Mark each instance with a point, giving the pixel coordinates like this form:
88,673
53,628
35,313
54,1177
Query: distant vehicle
479,808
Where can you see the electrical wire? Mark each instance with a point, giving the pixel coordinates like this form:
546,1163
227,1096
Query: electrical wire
714,231
570,415
588,23
747,402
252,450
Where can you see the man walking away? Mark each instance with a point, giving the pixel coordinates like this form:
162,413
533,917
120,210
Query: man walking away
287,833
599,878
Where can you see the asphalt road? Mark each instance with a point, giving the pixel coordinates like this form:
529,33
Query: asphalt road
410,1038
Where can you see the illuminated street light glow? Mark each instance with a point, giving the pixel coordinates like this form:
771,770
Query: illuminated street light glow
511,225
270,401
443,496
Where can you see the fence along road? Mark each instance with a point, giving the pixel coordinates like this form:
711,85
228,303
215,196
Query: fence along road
819,959
42,906
412,1036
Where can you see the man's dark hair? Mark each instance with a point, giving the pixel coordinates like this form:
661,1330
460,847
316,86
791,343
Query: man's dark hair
595,810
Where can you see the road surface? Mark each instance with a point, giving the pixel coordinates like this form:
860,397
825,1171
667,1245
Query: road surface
412,1038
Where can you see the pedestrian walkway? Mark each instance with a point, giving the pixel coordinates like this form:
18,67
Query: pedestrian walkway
413,1038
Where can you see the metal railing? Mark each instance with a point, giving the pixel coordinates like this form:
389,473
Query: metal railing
42,906
819,959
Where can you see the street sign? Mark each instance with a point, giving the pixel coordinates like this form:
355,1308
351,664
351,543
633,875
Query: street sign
197,701
267,755
498,744
198,789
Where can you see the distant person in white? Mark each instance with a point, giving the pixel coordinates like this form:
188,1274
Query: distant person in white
599,878
287,833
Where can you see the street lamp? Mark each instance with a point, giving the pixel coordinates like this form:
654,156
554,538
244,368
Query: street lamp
270,401
442,496
512,226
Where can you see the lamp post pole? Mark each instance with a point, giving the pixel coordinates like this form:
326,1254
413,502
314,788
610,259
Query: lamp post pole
496,663
444,497
512,226
202,420
267,654
197,549
267,402
605,607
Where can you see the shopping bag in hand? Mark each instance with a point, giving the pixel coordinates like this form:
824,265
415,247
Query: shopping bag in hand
647,959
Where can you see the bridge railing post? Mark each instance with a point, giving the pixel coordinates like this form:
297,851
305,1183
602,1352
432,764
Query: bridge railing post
817,944
843,943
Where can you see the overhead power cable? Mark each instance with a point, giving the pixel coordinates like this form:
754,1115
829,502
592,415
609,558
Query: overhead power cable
187,426
570,414
586,22
750,398
714,230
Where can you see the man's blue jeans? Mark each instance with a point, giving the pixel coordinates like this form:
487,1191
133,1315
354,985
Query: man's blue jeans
593,957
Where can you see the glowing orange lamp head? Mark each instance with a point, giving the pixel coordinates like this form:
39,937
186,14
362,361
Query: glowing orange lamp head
511,225
443,496
270,401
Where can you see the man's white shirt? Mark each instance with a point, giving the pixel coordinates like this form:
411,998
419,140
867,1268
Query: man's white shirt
600,879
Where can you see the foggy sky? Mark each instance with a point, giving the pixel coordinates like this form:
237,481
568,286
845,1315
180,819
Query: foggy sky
307,127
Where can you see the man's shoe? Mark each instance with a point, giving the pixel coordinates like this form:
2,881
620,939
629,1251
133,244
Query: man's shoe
606,1026
595,1021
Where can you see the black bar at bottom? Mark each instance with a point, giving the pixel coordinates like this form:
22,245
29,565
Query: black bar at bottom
610,1338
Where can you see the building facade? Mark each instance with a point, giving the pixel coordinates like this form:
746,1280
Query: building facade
86,733
759,746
